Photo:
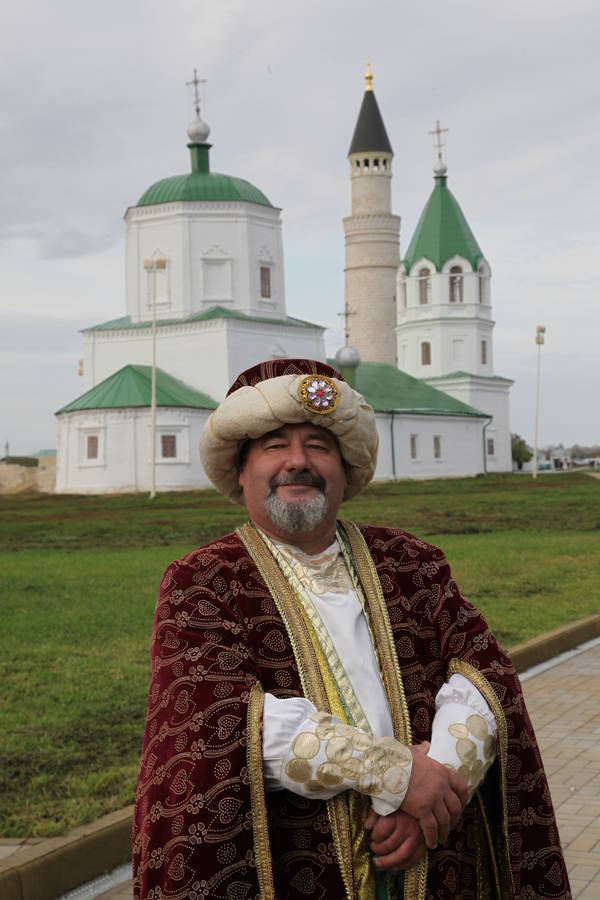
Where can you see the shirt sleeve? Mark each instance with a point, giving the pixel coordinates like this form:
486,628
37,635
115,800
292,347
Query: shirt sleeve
464,732
314,754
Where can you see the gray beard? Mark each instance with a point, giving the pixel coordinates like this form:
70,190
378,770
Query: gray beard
302,515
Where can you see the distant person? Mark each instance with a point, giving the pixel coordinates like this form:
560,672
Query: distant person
328,717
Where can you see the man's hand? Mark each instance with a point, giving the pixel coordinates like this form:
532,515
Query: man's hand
436,796
397,840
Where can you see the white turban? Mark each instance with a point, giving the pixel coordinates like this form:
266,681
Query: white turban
252,411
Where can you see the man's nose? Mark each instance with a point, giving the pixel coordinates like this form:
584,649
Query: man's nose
297,458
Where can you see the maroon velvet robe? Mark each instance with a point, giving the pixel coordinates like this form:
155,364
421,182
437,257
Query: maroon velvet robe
217,632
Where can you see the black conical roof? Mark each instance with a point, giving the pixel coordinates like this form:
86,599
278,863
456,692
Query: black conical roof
370,133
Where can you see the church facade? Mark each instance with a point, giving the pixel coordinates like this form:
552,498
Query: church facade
205,297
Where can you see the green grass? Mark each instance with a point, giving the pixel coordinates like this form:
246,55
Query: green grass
81,575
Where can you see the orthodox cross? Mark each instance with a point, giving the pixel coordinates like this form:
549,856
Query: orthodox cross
438,143
346,314
196,82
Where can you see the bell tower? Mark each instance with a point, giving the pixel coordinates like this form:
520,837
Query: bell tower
372,237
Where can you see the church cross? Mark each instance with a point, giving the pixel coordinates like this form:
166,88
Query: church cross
196,82
346,314
437,131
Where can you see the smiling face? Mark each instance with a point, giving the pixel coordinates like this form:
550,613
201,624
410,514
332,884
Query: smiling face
293,480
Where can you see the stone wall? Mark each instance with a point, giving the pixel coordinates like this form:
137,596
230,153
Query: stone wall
15,478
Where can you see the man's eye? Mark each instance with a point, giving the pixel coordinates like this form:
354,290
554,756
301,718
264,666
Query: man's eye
317,446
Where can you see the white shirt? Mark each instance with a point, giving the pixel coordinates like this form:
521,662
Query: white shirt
288,723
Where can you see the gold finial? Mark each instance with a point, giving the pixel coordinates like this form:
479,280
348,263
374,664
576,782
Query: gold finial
368,77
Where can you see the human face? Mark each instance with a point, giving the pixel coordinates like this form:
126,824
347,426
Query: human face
298,465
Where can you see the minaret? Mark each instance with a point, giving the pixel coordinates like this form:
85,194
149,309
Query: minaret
372,238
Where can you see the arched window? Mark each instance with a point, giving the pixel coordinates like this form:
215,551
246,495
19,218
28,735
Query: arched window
404,297
456,285
424,286
425,353
484,353
481,285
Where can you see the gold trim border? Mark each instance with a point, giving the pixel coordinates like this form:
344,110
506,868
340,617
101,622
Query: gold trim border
310,678
260,821
485,688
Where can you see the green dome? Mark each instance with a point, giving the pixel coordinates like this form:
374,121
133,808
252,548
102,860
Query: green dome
202,186
442,231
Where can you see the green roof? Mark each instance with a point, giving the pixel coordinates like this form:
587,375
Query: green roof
124,323
132,386
387,388
202,186
472,375
442,232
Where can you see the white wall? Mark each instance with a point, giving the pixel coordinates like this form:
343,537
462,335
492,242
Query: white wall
461,446
123,463
443,323
491,397
205,355
214,253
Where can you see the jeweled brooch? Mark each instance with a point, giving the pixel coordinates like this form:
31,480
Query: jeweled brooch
318,394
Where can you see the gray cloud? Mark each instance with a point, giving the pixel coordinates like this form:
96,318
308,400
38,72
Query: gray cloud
95,110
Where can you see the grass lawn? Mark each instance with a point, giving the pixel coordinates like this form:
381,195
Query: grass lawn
81,575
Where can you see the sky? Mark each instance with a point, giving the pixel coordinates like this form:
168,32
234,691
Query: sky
95,109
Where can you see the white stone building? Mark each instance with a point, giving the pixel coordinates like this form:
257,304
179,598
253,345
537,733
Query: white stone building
431,313
219,304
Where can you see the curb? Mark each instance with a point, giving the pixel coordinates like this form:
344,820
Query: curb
552,643
50,868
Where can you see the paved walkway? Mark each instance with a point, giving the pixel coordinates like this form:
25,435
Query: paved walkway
564,704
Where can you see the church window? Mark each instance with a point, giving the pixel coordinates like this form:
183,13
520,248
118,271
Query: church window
92,446
484,353
413,446
376,165
404,295
384,164
168,446
490,446
265,282
366,164
456,285
425,353
437,446
424,286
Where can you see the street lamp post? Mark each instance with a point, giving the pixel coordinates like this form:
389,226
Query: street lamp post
153,264
540,331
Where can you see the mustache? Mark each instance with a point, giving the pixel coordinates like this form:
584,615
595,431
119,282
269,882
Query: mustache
298,478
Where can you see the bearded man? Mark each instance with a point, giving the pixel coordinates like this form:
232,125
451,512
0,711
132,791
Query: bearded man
328,717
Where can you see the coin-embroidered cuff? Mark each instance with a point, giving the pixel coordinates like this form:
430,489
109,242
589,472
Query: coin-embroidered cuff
326,757
463,740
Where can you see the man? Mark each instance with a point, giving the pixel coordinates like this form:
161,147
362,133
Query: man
328,717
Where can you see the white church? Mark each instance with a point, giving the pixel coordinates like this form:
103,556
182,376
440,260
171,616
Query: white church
206,295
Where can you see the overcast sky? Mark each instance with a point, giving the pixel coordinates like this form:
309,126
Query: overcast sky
95,109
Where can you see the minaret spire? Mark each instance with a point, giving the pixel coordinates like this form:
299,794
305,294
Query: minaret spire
440,167
368,77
